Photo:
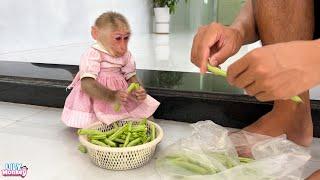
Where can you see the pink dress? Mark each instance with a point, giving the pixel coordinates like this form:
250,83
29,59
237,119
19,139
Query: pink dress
80,110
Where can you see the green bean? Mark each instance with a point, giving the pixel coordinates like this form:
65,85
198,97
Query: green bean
297,99
110,132
148,139
123,136
245,160
129,126
110,143
216,71
117,106
82,149
220,72
126,142
118,132
115,125
133,86
223,159
89,132
143,140
97,136
134,142
182,157
190,167
143,121
99,143
153,132
121,141
131,138
137,86
198,163
229,163
135,135
142,133
139,128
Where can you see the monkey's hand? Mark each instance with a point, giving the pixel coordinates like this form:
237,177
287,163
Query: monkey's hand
121,96
140,94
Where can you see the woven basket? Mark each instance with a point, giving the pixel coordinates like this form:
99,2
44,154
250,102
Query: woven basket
123,158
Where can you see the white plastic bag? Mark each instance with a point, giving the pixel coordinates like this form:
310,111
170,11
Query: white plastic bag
212,153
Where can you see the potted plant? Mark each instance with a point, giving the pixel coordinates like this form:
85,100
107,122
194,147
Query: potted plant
162,11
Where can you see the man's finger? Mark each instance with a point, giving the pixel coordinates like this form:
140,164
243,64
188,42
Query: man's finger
209,40
263,96
235,69
252,89
195,45
193,49
221,55
244,79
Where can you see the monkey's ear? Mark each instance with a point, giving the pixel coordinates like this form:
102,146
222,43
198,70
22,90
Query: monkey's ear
94,32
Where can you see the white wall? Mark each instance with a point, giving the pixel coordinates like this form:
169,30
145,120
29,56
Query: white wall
189,16
37,24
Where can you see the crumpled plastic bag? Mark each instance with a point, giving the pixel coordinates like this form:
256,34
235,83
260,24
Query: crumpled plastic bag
213,153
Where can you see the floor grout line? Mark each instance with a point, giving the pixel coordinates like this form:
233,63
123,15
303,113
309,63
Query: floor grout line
8,124
6,118
32,114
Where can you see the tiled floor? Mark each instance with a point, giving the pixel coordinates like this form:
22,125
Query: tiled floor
35,137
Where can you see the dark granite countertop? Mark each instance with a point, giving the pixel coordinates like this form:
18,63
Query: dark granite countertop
150,78
184,96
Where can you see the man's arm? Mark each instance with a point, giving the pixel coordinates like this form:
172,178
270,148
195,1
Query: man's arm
245,23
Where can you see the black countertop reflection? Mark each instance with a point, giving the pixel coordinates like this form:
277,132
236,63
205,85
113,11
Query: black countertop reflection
184,81
183,96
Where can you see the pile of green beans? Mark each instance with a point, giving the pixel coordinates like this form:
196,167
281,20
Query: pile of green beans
196,166
127,135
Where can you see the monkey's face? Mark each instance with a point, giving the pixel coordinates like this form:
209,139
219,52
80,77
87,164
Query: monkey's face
119,42
116,42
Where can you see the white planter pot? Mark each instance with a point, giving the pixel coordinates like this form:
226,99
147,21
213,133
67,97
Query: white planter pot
162,20
162,48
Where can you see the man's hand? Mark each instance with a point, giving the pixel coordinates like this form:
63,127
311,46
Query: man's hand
214,43
277,71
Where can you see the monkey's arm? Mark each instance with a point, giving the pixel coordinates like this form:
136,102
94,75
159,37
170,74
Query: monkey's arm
134,79
95,90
